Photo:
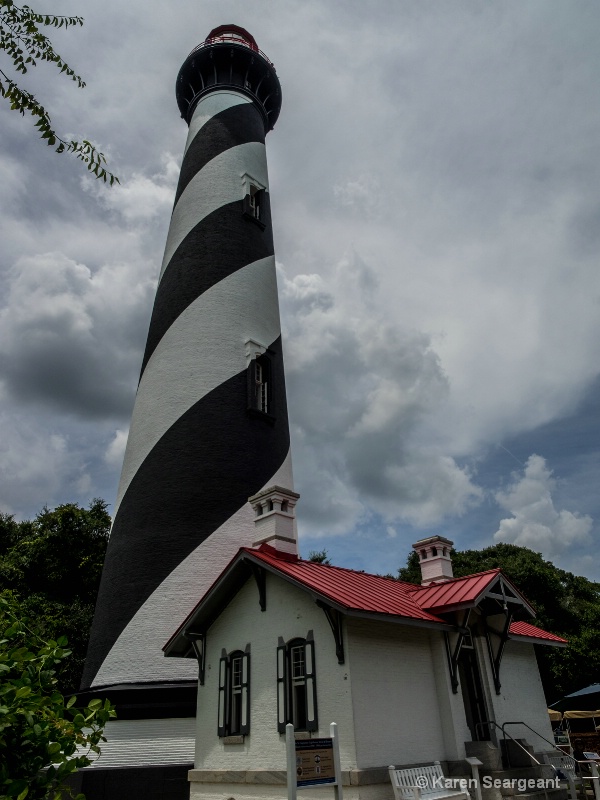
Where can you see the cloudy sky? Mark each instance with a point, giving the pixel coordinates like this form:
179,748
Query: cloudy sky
434,177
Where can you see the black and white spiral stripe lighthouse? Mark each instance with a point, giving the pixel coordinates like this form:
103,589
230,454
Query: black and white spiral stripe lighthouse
209,426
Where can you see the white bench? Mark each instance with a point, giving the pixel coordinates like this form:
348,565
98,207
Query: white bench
424,783
566,765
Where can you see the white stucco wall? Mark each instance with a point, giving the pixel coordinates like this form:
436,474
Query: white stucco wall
521,695
394,695
290,613
455,731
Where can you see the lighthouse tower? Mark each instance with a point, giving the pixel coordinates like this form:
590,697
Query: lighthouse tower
209,426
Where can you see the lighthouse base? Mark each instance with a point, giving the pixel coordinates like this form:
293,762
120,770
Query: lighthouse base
149,748
168,782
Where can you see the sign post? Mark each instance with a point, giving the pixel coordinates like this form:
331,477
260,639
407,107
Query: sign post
313,762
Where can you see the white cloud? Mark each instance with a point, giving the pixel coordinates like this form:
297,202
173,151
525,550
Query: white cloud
139,198
115,451
536,522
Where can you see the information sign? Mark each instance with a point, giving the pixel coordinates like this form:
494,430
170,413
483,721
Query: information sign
314,762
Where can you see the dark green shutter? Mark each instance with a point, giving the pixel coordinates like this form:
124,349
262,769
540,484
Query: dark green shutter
282,714
312,720
222,713
245,723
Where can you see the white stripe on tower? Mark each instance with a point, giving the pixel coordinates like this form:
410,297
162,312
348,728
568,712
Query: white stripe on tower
194,453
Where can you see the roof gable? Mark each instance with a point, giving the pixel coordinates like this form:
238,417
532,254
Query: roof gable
469,591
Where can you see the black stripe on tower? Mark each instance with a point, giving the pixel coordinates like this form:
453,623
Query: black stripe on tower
237,125
204,258
201,487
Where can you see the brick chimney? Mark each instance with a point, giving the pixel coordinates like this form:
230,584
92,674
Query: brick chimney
275,519
434,559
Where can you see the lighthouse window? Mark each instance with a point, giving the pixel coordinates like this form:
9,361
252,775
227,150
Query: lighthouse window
262,388
254,201
234,693
260,394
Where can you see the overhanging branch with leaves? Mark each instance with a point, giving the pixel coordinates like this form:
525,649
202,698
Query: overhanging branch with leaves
25,45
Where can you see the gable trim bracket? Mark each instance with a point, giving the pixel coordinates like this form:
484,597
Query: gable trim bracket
454,656
198,644
335,619
496,657
261,584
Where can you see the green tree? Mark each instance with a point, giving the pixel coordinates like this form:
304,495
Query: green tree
44,738
24,43
319,557
565,604
54,563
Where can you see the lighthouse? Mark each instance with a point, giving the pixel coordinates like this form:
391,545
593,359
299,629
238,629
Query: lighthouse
209,426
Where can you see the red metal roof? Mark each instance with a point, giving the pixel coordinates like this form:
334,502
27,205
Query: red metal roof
454,592
532,632
359,591
373,594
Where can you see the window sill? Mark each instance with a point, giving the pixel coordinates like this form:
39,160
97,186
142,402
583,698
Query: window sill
253,219
256,414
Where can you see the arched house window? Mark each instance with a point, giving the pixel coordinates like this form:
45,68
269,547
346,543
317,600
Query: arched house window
296,685
234,693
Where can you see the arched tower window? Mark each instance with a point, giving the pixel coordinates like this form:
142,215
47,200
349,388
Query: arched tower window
260,385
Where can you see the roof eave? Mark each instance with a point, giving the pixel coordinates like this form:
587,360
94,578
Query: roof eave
534,640
397,619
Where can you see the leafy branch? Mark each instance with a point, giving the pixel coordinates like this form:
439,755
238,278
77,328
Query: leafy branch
43,738
25,44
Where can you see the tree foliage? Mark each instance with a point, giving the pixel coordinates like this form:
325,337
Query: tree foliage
565,604
43,736
24,43
54,563
319,557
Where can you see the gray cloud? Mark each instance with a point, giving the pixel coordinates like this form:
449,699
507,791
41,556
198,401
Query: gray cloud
434,180
360,389
58,343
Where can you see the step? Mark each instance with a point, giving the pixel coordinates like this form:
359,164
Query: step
515,753
541,794
518,779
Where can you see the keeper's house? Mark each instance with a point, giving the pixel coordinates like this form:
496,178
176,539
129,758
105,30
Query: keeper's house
411,674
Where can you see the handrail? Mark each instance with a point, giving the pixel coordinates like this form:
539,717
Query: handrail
594,777
552,744
505,734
